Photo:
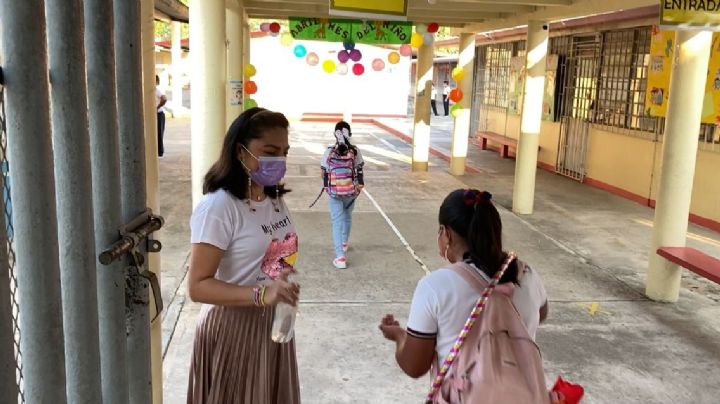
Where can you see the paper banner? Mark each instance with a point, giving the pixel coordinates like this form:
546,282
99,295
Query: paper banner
339,30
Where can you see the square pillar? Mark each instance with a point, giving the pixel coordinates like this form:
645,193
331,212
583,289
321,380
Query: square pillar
421,128
461,127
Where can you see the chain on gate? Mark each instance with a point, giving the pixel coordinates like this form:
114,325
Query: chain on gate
7,203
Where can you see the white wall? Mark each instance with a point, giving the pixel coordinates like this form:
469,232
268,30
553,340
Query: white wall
288,84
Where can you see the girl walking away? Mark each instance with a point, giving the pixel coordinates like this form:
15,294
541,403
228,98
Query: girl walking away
342,172
243,247
439,325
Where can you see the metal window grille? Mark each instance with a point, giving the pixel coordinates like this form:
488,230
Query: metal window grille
7,211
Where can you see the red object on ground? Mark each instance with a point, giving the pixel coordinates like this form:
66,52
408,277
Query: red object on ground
568,393
358,69
275,27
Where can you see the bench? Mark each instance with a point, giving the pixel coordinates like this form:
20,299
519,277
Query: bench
694,260
505,142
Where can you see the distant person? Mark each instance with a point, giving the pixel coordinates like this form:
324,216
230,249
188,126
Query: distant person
243,247
433,99
342,172
160,101
470,240
446,97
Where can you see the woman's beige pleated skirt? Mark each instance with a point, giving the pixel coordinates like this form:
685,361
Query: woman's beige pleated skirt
236,362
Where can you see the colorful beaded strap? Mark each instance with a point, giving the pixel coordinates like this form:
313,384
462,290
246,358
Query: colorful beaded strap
474,314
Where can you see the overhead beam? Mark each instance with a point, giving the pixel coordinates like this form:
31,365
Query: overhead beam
472,6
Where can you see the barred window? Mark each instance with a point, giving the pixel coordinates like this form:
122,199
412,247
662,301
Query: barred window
493,74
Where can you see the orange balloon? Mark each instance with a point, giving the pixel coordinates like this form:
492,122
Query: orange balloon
456,95
250,87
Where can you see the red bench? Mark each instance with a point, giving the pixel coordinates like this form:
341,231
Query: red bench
506,143
694,260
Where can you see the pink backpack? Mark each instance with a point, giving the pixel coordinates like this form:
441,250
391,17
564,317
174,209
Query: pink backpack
494,360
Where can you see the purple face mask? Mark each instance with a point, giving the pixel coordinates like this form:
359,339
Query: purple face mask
270,171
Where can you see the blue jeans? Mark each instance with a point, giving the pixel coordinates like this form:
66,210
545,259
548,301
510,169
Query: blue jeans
341,218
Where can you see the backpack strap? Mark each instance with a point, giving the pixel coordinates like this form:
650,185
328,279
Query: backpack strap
474,315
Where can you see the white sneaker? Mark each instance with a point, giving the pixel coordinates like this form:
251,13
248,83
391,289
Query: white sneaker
340,263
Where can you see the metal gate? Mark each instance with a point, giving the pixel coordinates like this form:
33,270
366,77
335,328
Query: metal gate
579,72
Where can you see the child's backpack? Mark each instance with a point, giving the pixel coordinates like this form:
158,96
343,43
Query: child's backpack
494,360
341,181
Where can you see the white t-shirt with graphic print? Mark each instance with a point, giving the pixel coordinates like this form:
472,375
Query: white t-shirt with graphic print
258,244
443,300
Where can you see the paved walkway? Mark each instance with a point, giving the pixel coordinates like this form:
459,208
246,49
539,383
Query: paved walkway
590,247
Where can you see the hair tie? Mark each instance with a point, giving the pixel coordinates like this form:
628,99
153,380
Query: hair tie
473,197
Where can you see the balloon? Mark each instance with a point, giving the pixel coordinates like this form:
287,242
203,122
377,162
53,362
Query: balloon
433,27
343,56
342,69
394,58
328,66
250,103
250,87
458,74
312,59
265,27
456,95
417,40
348,45
378,65
406,50
286,39
275,27
428,38
250,70
355,55
421,28
274,34
455,110
358,69
300,51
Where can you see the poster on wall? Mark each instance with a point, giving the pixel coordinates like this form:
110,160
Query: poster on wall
711,102
236,92
662,45
548,110
340,30
517,86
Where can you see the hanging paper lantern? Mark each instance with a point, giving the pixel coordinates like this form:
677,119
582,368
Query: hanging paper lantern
250,87
456,95
312,59
300,51
355,55
265,27
275,27
394,58
428,38
328,66
406,50
433,27
286,39
358,69
250,70
343,56
455,110
250,103
458,73
417,40
421,28
349,45
342,69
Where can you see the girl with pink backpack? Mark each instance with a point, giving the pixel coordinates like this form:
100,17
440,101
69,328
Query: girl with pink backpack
473,322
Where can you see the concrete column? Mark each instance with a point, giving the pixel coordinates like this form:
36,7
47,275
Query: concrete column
461,128
208,77
176,69
680,144
147,17
421,128
245,47
234,28
531,118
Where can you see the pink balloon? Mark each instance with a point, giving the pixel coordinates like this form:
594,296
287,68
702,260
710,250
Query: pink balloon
406,50
378,65
265,27
343,56
355,55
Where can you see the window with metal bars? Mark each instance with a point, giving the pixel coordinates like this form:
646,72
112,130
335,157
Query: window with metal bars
493,72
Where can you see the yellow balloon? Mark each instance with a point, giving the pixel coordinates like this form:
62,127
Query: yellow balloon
458,73
286,39
328,66
394,58
250,70
417,40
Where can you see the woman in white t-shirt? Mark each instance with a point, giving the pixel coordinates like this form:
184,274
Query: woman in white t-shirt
470,231
243,247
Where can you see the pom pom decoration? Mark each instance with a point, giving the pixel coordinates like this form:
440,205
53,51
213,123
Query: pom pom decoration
358,69
406,50
348,45
342,69
312,59
265,27
433,27
394,58
328,66
417,40
378,65
456,95
250,87
300,51
355,55
458,74
249,70
343,56
275,28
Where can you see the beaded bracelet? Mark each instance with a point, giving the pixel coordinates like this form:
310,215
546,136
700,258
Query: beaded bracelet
259,296
261,300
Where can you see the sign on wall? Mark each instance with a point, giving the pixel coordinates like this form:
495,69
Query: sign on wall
690,14
340,30
517,86
389,7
